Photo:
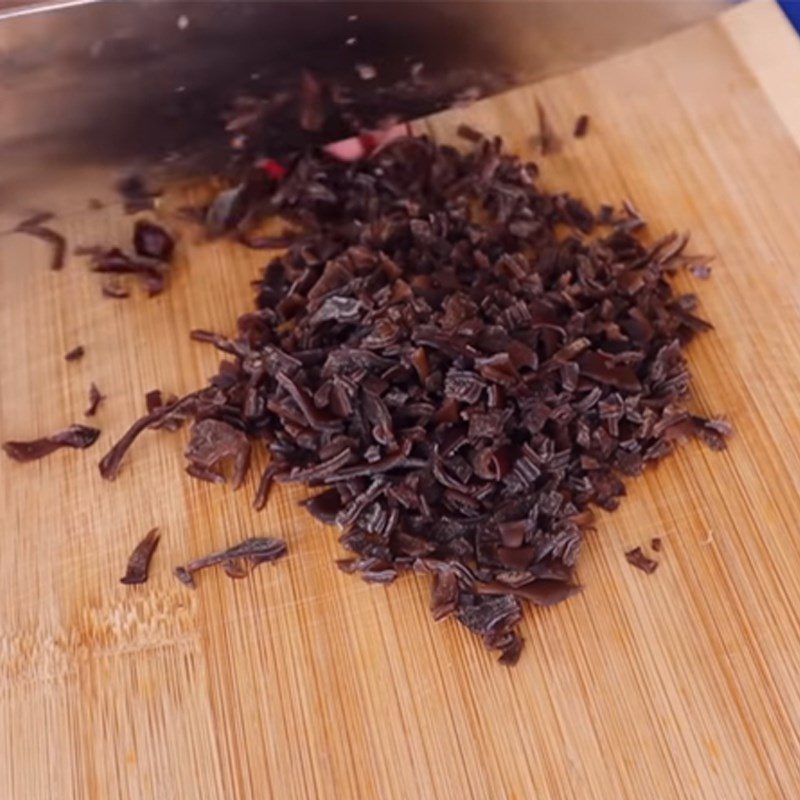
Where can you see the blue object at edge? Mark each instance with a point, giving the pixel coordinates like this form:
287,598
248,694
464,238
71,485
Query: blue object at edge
792,10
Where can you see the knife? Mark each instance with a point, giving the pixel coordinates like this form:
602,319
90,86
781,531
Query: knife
91,91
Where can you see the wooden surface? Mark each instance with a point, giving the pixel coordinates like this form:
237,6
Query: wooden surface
302,682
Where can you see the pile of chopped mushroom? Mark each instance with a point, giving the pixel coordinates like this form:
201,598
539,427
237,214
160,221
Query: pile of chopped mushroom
460,363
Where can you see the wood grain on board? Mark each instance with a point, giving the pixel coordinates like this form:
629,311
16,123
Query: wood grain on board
302,682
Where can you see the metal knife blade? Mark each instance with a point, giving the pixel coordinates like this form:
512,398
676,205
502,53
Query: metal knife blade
90,90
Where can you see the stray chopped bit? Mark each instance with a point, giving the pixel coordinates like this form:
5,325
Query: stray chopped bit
444,598
540,592
115,262
366,72
34,226
78,436
511,649
139,561
214,441
209,337
36,219
324,506
547,139
178,410
95,398
75,354
154,401
152,241
458,362
635,221
135,194
264,486
581,126
469,133
638,559
184,576
237,561
655,544
670,247
700,270
154,248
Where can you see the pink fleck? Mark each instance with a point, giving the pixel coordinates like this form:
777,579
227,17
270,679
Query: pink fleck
367,143
275,170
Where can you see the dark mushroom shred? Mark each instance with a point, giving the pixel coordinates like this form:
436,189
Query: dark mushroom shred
153,247
115,262
95,398
460,364
154,400
77,436
39,218
152,241
139,561
34,226
214,441
160,417
655,544
638,559
444,597
548,140
75,354
237,561
581,126
469,133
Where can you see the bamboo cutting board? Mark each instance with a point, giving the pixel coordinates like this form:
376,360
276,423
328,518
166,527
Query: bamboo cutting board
302,682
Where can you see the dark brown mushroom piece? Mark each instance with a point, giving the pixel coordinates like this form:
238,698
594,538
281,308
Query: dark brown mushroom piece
581,126
213,442
139,560
637,558
95,398
236,561
75,436
34,226
152,241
